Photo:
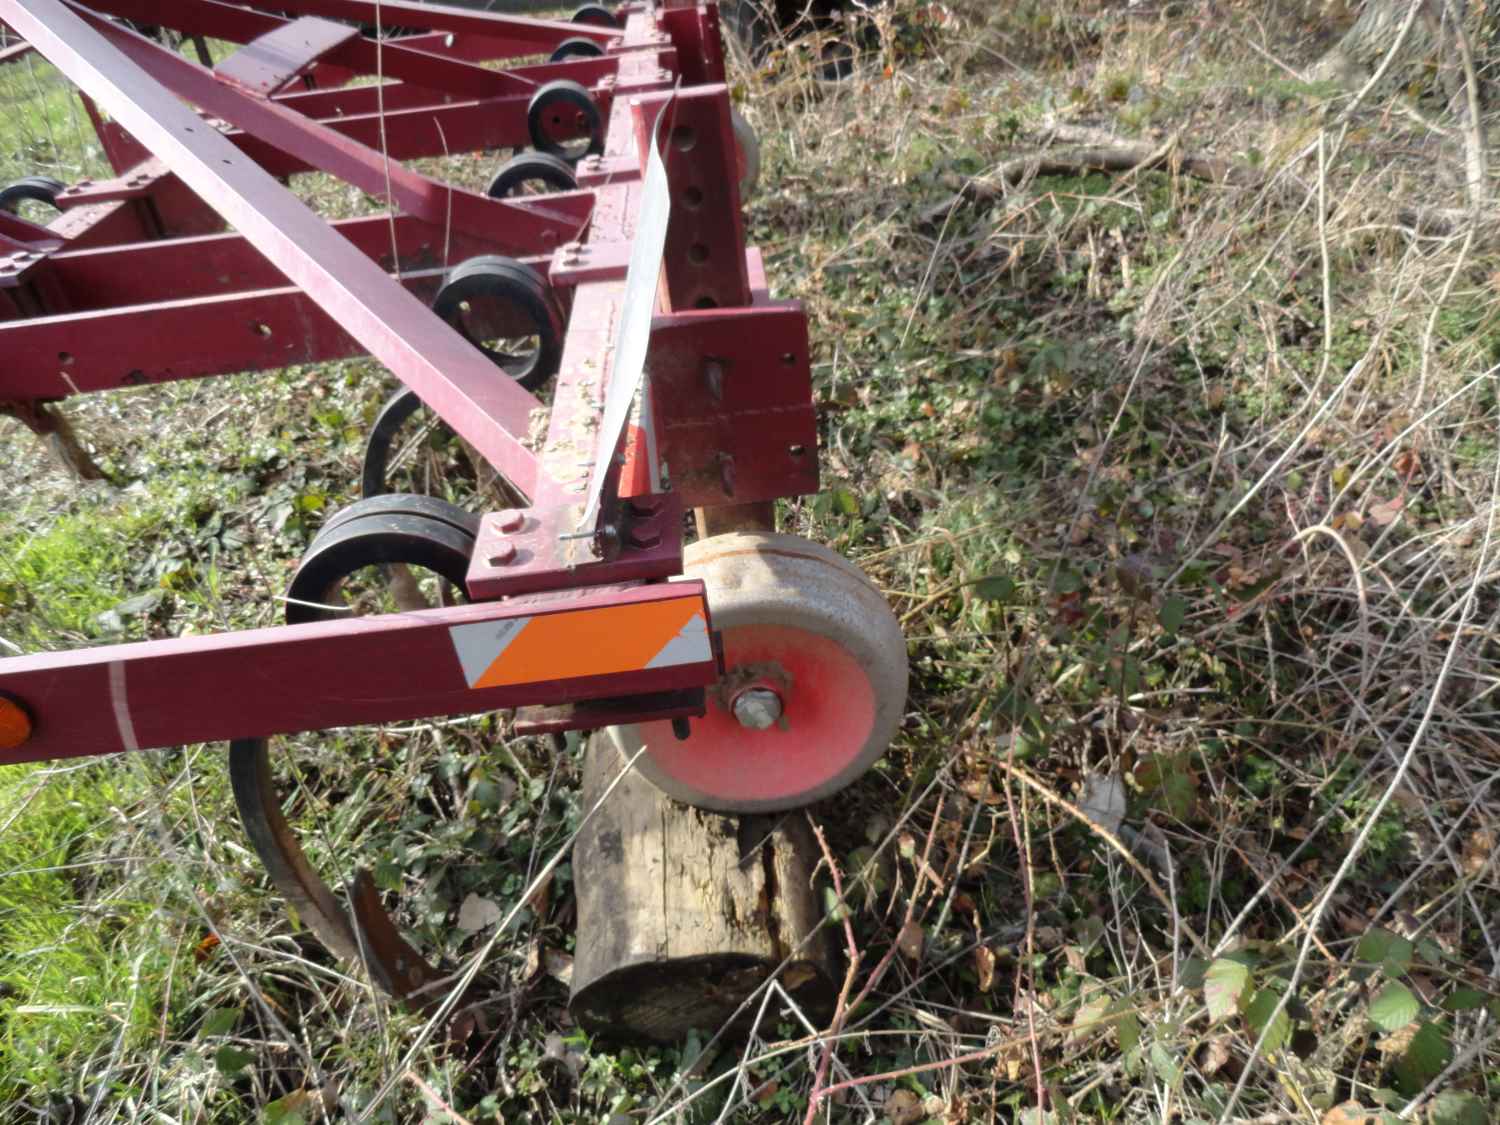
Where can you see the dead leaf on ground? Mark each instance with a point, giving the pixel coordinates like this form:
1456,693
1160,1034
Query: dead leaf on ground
911,939
477,913
904,1108
1478,849
1385,513
1350,1113
984,967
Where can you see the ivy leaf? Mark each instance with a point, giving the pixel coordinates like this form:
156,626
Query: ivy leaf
1225,985
1259,1013
1394,1007
231,1060
1426,1055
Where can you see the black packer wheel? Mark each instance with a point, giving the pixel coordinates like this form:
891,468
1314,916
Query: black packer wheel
531,173
564,120
343,572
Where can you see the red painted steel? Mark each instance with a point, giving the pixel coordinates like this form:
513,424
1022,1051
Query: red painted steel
317,145
272,59
729,396
306,677
493,415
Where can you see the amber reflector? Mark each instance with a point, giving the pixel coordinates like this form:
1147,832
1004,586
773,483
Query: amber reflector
15,724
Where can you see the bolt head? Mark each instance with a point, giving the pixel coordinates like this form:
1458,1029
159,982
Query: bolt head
502,553
510,519
757,708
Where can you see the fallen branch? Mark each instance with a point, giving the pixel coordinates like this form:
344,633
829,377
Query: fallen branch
1119,156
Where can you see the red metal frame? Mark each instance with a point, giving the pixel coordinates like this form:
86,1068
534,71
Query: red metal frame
89,303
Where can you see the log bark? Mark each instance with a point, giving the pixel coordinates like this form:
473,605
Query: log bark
683,913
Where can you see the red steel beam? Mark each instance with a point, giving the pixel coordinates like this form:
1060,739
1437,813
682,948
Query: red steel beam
456,381
456,660
319,146
364,56
139,273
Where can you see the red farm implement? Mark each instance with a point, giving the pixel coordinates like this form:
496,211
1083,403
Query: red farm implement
757,670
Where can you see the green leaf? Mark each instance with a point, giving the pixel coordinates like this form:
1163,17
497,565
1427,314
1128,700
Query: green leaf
286,1110
1394,1007
1463,999
1193,973
1390,951
219,1021
1259,1015
1172,614
845,501
994,588
1426,1055
1457,1107
231,1060
1225,985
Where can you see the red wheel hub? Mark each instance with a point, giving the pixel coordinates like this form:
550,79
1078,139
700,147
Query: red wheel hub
828,713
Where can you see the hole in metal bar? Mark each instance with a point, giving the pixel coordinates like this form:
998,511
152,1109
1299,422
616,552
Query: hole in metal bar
65,358
796,450
705,303
684,138
698,253
692,197
261,329
789,358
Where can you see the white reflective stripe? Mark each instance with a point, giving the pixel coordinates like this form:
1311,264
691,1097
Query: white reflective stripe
121,704
634,338
689,646
480,645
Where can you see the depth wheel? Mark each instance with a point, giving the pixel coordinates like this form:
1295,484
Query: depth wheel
32,189
506,310
595,14
342,573
531,173
576,48
814,686
562,119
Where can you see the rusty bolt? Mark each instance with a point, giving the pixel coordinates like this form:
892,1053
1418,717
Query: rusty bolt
510,519
502,553
643,538
647,505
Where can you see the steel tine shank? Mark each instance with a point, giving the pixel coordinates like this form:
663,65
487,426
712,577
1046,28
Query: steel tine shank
425,353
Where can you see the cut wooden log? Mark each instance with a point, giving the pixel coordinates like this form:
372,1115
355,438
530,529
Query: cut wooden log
683,913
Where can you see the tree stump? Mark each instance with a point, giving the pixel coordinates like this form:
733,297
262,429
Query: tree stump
683,913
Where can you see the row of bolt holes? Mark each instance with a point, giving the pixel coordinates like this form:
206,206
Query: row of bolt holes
683,139
66,358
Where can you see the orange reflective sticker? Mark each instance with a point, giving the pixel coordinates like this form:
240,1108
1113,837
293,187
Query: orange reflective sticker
15,724
600,642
